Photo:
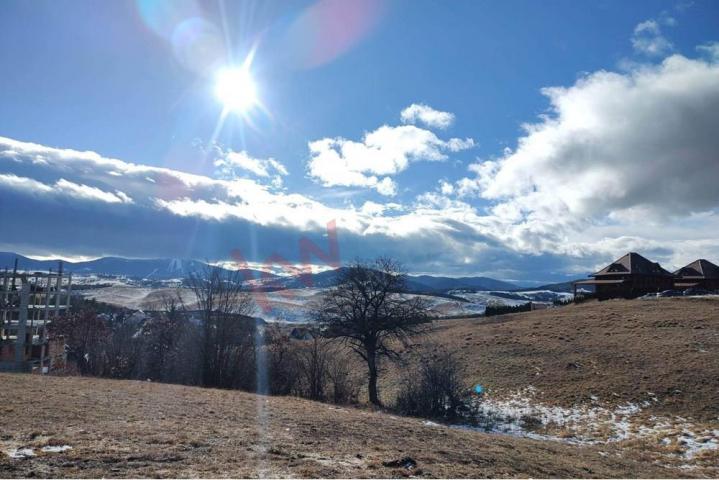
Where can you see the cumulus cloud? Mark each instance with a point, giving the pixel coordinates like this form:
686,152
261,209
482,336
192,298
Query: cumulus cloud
648,39
420,113
617,149
380,154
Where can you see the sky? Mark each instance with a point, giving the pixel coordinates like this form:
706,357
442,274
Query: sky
522,140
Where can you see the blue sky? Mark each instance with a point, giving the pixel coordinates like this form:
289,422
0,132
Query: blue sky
404,121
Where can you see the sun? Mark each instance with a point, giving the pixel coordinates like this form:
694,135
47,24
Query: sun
236,89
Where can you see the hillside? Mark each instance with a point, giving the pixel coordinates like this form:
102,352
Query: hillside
141,429
640,375
616,350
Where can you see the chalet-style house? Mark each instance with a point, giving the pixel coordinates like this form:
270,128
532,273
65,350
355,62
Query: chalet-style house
629,277
698,274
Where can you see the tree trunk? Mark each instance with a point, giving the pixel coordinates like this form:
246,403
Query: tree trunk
372,387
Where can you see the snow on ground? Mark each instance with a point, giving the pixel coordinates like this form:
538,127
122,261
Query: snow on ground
290,305
19,453
520,414
511,298
56,448
136,298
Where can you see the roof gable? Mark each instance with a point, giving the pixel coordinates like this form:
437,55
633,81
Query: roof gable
699,269
633,264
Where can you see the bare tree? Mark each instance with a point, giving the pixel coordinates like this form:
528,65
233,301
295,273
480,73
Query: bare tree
368,310
122,347
344,385
161,334
281,361
227,328
86,334
313,361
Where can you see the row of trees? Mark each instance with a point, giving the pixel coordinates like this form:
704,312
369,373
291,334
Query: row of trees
217,342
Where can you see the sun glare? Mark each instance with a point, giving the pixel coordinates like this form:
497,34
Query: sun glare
236,90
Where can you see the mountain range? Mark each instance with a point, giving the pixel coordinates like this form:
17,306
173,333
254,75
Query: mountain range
166,269
144,269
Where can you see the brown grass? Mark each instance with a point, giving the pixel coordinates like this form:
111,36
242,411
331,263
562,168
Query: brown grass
141,429
618,350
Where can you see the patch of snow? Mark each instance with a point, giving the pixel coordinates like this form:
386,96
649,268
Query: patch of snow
56,448
520,415
20,453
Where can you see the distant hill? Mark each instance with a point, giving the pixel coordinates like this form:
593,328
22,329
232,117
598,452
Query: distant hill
437,284
167,268
567,287
147,269
419,283
316,280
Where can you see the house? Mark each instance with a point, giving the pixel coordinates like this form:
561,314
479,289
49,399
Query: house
698,274
630,276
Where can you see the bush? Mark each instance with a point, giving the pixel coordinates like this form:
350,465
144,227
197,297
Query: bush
499,309
168,345
344,383
435,389
325,372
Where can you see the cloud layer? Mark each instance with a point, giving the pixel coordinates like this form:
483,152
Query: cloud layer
622,161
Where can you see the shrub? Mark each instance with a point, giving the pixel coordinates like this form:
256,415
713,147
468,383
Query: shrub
435,389
499,309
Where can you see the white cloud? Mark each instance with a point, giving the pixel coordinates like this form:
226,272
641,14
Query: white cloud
24,184
618,149
62,188
711,49
446,188
381,153
90,193
418,112
622,161
262,167
648,38
233,164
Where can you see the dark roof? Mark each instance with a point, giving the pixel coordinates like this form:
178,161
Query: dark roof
633,264
699,269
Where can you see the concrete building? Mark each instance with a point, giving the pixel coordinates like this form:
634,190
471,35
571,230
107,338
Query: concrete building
29,302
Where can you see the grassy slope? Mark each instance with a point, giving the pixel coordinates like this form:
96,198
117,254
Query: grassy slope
617,350
140,429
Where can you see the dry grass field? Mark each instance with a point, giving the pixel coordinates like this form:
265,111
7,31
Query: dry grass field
618,351
642,375
141,429
644,372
